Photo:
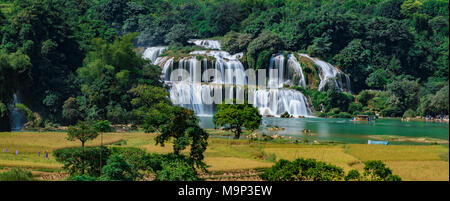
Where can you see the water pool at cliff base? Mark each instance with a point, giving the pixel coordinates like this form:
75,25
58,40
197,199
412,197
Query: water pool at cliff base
348,131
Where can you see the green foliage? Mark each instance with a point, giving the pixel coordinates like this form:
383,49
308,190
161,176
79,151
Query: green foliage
409,113
103,126
236,117
16,174
262,48
118,169
139,159
403,94
26,111
82,161
83,132
377,171
14,76
353,175
83,178
177,169
109,71
303,170
234,42
179,33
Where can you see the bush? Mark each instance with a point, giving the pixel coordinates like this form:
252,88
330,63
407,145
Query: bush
377,171
303,170
353,175
138,158
409,113
118,169
176,168
83,178
82,162
16,174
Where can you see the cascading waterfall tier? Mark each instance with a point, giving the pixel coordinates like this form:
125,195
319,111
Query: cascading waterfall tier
329,73
153,53
17,118
208,44
209,77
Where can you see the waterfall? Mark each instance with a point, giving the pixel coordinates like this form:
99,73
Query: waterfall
17,118
230,75
329,73
153,53
275,102
295,65
276,66
229,72
208,44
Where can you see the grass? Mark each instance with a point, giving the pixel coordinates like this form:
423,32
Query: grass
28,144
411,162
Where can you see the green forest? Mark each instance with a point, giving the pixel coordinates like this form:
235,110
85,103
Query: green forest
78,60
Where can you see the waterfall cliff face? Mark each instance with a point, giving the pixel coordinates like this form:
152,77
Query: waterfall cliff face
153,53
16,117
329,73
208,44
207,82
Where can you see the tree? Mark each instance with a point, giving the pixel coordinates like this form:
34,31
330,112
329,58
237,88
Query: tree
234,42
261,48
79,161
71,111
179,33
182,125
83,132
237,116
118,169
403,93
377,171
155,113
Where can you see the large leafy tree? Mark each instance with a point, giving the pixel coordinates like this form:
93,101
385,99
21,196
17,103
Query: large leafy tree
82,132
236,117
155,113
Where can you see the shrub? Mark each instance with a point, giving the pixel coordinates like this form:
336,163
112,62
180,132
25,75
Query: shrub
82,162
118,169
409,113
303,170
83,178
138,158
176,168
353,175
377,171
16,174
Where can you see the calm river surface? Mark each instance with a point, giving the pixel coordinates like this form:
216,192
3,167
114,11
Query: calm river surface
347,131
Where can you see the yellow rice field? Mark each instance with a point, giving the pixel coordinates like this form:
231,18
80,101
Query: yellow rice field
411,162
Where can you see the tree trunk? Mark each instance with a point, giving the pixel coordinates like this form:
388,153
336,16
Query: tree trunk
237,133
84,155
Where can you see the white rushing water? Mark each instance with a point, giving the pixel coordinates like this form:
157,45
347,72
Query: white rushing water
208,79
17,118
153,53
329,73
295,66
208,44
